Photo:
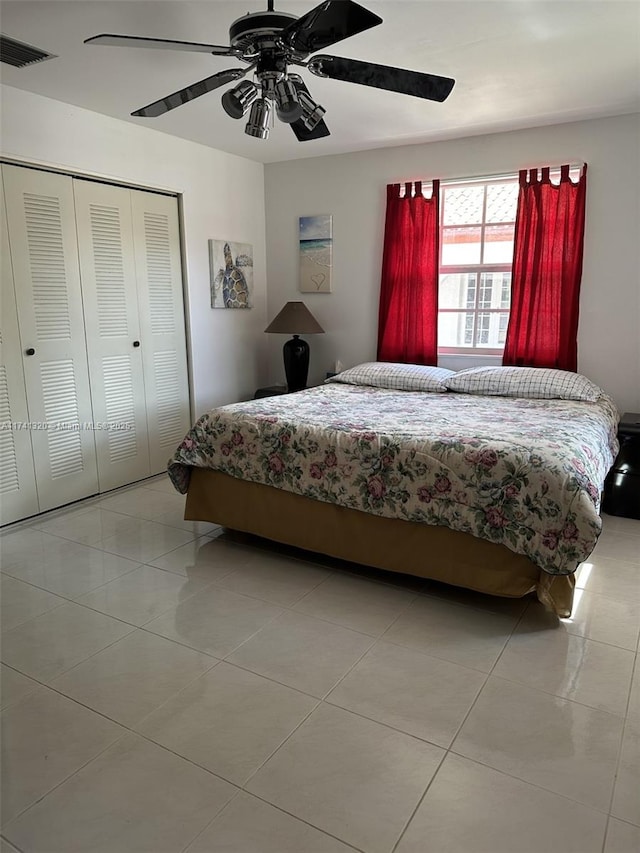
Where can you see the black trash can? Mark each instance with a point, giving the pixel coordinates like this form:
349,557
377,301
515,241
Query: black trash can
622,486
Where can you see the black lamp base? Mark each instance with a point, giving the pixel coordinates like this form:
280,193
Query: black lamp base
296,363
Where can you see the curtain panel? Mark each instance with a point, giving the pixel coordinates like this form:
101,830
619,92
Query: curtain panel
547,269
408,315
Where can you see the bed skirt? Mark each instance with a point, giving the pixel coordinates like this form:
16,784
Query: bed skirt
435,553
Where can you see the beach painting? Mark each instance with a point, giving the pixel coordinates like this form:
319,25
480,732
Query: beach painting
316,244
231,274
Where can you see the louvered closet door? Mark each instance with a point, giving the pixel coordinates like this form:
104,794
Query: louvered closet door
108,271
42,235
162,332
18,496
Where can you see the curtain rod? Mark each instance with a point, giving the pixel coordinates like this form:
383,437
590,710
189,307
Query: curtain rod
496,176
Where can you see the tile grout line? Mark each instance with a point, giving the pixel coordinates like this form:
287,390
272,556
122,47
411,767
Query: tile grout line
375,640
458,730
84,660
325,698
319,702
12,843
635,671
291,608
128,730
283,811
213,819
64,597
90,502
606,832
66,778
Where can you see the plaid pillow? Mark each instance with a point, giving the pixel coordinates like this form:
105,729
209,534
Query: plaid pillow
538,383
399,377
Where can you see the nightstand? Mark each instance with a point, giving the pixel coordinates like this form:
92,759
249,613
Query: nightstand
270,391
622,486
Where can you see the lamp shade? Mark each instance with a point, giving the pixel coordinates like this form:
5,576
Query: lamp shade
295,319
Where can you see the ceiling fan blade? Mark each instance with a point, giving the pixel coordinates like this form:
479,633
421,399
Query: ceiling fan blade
327,24
111,40
183,96
429,86
305,135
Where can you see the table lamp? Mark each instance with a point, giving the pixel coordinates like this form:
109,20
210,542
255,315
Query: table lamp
295,319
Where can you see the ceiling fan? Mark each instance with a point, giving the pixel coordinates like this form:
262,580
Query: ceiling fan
269,42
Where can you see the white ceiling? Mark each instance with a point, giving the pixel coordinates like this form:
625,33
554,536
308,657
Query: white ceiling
517,63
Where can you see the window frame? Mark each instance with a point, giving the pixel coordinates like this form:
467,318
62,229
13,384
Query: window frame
476,268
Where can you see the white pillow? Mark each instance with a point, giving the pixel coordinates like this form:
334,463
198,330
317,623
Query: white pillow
538,383
399,377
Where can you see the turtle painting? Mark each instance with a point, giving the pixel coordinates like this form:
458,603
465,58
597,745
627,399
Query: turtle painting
231,274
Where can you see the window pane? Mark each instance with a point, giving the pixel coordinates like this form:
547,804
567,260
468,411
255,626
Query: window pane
457,290
505,291
502,328
484,321
477,236
502,202
463,205
486,289
455,329
468,329
495,290
491,330
498,244
461,246
471,292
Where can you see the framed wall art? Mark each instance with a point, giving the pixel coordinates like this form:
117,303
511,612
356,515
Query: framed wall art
231,274
316,248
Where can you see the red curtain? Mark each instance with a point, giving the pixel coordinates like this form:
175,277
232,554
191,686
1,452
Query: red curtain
408,318
547,268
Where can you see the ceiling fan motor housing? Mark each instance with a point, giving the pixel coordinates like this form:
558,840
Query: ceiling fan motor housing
258,30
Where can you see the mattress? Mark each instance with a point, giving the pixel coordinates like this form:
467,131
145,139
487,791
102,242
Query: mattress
524,473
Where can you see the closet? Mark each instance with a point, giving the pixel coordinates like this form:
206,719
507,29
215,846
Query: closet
93,353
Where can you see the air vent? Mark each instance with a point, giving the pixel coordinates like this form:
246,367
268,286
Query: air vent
18,54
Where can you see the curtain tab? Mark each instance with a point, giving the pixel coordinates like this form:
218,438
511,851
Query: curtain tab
546,176
393,191
435,186
408,189
523,175
564,173
418,188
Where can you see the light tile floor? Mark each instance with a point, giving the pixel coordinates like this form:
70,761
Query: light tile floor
170,687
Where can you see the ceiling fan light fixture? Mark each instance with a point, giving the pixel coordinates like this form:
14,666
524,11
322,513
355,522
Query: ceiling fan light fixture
269,43
312,113
288,107
258,124
237,101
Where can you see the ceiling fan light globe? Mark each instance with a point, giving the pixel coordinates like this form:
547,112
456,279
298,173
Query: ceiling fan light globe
289,112
237,101
312,113
288,107
258,124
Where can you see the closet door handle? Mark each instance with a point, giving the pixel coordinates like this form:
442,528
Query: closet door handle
30,351
136,343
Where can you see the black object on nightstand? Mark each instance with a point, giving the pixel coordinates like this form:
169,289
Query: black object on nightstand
622,486
271,391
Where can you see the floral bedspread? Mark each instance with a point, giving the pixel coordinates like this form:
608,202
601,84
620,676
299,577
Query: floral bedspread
524,473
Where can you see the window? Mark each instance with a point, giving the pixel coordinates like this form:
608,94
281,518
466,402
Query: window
476,251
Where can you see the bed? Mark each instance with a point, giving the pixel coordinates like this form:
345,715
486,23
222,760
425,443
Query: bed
488,478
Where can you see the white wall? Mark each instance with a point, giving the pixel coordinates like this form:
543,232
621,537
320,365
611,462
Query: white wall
352,188
222,197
